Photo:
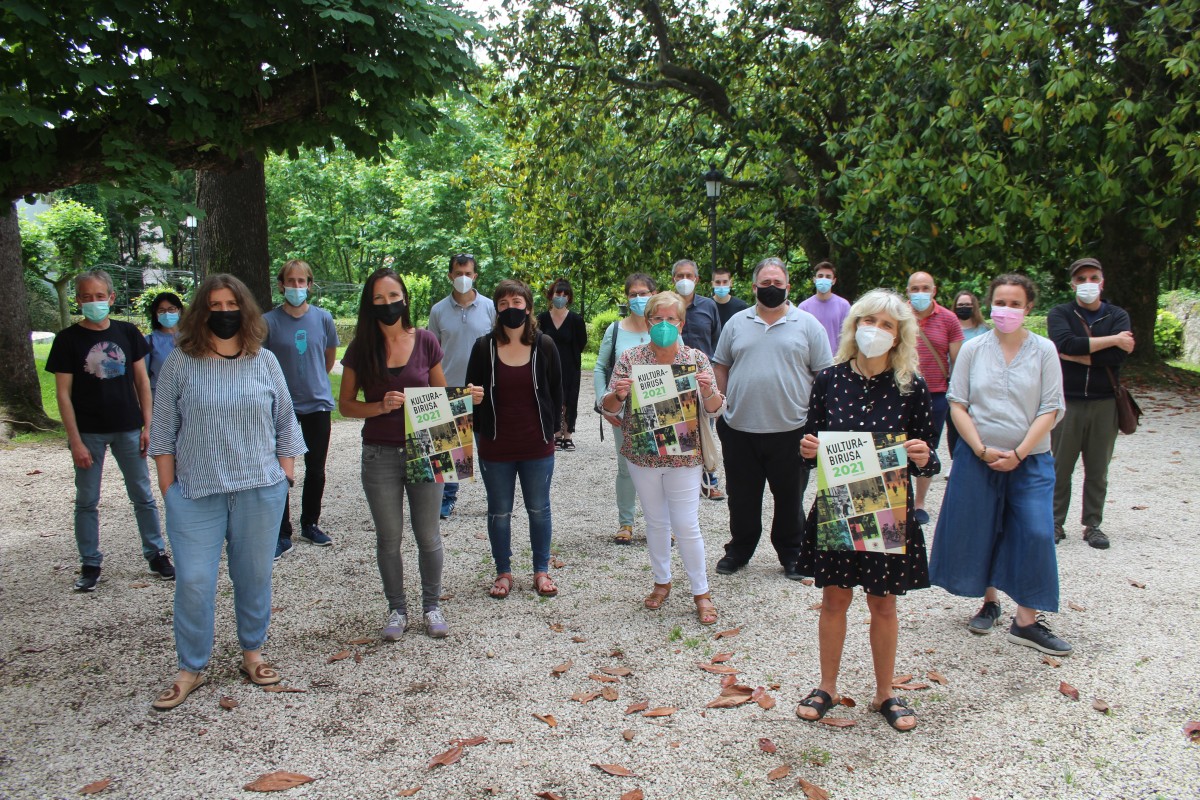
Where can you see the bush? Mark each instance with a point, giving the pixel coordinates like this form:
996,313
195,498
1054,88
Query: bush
598,325
141,305
1168,335
43,304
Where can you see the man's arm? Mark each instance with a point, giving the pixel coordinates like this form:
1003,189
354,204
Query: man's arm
722,373
330,358
62,391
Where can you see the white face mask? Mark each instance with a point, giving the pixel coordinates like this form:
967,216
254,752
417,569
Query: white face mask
873,341
463,284
685,286
1087,293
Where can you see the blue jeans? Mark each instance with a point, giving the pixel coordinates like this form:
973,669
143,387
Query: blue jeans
247,524
500,480
126,450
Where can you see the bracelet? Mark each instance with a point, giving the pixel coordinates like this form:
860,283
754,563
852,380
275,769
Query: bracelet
1018,455
708,396
982,453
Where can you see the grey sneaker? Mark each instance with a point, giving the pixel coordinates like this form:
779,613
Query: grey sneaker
435,624
986,619
1039,637
397,624
88,578
1095,537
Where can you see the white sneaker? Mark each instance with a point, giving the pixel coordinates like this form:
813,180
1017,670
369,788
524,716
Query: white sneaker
397,624
435,624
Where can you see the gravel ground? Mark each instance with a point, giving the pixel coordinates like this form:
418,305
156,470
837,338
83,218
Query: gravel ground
78,672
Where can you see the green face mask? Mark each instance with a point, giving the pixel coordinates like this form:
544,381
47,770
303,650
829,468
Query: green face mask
664,334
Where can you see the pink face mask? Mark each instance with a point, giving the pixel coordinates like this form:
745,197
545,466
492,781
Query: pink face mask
1007,320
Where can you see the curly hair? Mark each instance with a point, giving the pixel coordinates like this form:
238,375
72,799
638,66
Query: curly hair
903,358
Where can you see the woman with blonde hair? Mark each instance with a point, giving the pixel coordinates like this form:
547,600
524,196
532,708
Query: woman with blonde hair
667,485
874,387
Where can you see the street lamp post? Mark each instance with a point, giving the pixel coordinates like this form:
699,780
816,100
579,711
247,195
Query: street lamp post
712,187
190,222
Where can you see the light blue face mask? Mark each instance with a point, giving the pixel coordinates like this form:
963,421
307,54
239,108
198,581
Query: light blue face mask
664,334
168,320
559,301
920,300
823,285
295,295
721,291
94,312
637,305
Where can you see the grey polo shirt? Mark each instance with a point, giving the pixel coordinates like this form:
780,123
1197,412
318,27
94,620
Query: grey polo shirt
771,369
702,325
456,328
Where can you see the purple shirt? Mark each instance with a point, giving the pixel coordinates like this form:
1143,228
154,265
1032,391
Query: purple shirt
387,430
831,314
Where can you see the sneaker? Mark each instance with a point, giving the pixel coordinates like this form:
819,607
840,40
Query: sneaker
1039,637
921,516
1059,534
1095,537
162,566
985,619
728,565
435,624
88,578
397,624
447,507
282,546
314,535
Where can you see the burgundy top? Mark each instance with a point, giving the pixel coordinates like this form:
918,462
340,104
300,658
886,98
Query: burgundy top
518,426
387,430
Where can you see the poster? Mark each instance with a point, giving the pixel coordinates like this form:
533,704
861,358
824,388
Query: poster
663,404
862,492
438,435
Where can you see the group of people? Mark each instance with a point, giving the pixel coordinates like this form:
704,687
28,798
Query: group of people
238,395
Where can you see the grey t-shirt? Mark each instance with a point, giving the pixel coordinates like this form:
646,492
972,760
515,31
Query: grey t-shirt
1004,399
299,345
771,369
456,328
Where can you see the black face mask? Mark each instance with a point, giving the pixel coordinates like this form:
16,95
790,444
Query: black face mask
964,312
513,317
225,324
770,296
389,313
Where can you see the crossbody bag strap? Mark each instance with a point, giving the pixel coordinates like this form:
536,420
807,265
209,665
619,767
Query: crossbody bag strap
936,357
1112,376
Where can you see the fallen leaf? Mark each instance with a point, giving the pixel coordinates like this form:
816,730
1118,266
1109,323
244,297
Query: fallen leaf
34,472
481,535
548,719
447,596
614,769
1192,731
838,722
1076,607
339,656
409,792
1140,508
781,771
557,627
1068,690
620,672
758,692
284,689
812,791
563,667
911,687
728,680
636,707
767,746
728,633
848,702
628,734
815,607
357,657
578,639
366,641
618,653
1100,706
610,694
548,795
505,741
474,740
1051,660
633,794
41,649
936,677
1136,584
717,669
721,658
603,678
447,758
557,563
766,702
732,696
661,711
585,697
138,585
96,787
228,703
277,781
899,679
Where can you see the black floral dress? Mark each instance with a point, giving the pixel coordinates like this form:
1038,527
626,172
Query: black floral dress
843,400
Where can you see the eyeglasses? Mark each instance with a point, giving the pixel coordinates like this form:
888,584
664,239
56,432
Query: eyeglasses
641,293
461,257
656,320
168,310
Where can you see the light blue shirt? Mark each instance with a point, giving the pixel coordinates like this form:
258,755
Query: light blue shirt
299,344
456,328
605,363
161,344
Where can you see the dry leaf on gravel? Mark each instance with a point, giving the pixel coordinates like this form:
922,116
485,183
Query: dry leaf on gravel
339,656
901,679
447,758
1051,660
766,702
96,786
139,585
838,722
732,696
557,627
281,689
1100,706
636,707
42,649
717,669
615,769
936,677
578,639
911,687
557,563
727,634
728,680
620,672
633,794
563,667
1067,689
1076,607
34,472
609,693
365,640
1192,731
848,702
227,703
603,678
1139,508
628,734
1136,584
661,711
779,772
766,745
585,697
812,791
549,796
721,658
277,781
409,792
357,658
548,719
474,740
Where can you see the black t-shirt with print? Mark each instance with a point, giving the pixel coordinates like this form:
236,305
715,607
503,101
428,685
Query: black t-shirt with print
101,365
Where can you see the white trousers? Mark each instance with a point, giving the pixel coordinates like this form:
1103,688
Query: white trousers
671,503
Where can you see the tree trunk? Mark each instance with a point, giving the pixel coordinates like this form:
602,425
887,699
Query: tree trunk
61,285
233,235
1131,269
20,392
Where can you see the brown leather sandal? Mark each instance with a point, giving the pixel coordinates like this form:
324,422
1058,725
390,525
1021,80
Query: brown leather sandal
502,586
706,612
657,596
543,584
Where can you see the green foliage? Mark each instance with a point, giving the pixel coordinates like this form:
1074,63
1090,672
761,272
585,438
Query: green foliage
1168,335
43,305
140,306
77,234
597,325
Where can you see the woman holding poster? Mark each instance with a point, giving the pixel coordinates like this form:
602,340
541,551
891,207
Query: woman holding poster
387,357
862,532
653,389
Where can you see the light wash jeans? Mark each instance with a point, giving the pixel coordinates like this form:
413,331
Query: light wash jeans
125,449
246,523
626,493
500,479
383,483
671,502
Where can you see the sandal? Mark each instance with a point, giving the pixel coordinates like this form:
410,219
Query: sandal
559,444
624,535
502,586
706,612
260,673
543,584
568,445
819,701
178,692
894,710
657,596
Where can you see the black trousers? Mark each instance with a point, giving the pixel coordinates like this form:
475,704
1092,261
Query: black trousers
752,462
315,427
570,381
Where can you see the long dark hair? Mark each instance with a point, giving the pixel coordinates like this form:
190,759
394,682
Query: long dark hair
510,287
194,337
171,297
369,343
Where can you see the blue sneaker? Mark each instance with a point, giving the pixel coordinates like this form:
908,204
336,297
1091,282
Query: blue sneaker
282,546
447,507
314,535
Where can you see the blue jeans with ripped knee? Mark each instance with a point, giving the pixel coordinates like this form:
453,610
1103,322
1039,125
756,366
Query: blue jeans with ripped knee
500,480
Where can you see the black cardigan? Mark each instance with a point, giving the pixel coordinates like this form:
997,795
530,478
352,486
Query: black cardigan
1064,327
547,383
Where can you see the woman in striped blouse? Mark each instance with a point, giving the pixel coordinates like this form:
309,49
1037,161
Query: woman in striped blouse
225,440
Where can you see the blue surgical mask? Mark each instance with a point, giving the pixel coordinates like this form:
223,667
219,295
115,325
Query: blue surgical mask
559,301
664,334
720,291
920,300
824,285
168,320
95,312
295,295
637,306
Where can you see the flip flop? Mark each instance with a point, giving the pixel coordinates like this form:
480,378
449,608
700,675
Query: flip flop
260,673
172,697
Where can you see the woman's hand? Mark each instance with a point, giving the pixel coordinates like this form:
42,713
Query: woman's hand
705,381
808,446
476,394
391,401
622,388
918,452
1005,461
